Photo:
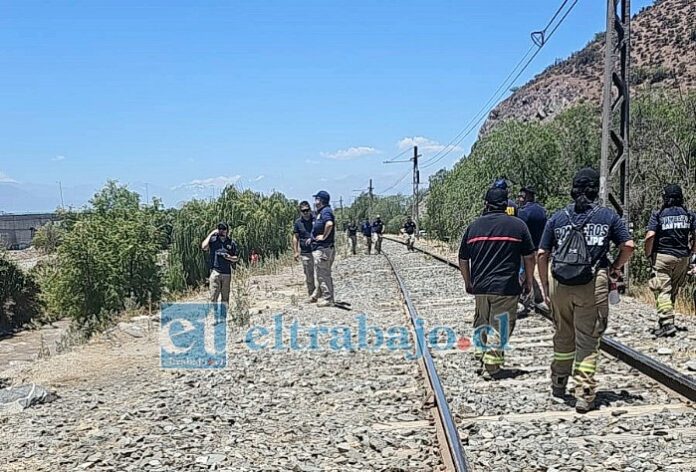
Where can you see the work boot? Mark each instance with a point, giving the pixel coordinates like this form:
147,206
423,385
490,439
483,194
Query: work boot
665,331
312,300
325,303
584,403
558,387
492,373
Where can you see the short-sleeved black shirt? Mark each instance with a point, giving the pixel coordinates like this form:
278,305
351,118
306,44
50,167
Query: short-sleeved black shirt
534,215
410,228
672,226
303,229
494,243
218,248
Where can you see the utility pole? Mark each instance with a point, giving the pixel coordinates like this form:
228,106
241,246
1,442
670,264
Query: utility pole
370,192
147,193
615,111
416,182
60,189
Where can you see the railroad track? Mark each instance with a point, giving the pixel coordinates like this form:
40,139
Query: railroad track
645,420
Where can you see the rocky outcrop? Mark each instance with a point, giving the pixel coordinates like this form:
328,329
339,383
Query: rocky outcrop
663,54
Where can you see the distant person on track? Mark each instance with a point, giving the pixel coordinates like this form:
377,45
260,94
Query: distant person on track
489,260
409,232
578,239
377,231
352,231
367,234
670,245
323,249
511,208
534,216
222,260
302,248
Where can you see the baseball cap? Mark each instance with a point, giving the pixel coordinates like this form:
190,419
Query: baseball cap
323,195
587,177
673,191
528,189
222,226
500,183
496,196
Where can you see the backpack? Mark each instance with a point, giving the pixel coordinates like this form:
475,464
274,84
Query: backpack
572,261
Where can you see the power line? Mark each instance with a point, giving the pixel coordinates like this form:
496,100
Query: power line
393,159
401,179
483,112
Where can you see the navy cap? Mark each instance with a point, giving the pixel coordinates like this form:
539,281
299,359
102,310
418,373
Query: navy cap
673,191
323,195
497,196
222,226
500,183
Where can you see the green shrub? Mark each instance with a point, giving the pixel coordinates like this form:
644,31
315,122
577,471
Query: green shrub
20,301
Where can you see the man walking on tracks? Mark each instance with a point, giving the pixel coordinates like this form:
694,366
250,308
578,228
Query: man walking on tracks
534,216
323,250
670,245
352,231
223,256
578,237
377,230
367,233
302,248
489,260
511,208
409,232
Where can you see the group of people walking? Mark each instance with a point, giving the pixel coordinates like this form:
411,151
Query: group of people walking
497,259
500,253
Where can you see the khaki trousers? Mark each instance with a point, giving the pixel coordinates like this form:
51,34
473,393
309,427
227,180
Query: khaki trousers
487,312
219,284
353,243
580,315
378,243
323,260
669,275
308,267
368,244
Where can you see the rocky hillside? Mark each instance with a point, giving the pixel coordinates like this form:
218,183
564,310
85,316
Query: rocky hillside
663,54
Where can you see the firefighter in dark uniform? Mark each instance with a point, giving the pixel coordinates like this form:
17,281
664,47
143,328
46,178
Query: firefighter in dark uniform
670,245
489,260
579,289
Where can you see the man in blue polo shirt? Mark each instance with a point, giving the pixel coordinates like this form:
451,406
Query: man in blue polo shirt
377,230
302,247
223,257
323,251
534,216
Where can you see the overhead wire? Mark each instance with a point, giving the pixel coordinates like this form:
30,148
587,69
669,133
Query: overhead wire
483,112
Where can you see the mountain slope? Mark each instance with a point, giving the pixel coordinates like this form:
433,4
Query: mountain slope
663,54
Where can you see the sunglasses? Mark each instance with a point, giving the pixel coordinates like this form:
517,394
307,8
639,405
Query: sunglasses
305,210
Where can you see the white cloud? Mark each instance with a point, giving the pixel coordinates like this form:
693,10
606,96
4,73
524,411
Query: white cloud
425,145
213,182
350,153
6,179
258,178
58,158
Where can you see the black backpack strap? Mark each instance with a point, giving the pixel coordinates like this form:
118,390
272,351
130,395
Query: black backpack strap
582,225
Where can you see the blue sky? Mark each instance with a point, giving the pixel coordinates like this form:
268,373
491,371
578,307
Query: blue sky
292,95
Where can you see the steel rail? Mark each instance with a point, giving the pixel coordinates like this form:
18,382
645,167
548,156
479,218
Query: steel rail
454,443
672,379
